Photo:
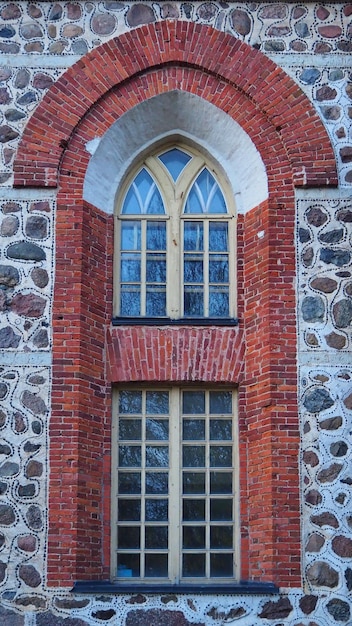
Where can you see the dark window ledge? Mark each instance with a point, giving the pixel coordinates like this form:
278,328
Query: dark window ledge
167,321
241,588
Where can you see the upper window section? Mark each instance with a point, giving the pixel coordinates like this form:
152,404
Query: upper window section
175,236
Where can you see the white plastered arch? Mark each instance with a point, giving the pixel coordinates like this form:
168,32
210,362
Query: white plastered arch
181,115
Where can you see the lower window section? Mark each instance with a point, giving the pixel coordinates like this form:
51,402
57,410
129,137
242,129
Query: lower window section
175,482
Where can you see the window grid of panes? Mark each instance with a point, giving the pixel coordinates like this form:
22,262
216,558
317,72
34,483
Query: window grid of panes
175,511
180,265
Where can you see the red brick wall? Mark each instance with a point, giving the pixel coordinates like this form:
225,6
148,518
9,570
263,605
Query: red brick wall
89,355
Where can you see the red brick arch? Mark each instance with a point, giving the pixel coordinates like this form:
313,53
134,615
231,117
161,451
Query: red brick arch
163,44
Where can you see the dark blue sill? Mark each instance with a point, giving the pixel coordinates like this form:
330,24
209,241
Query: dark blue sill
182,321
243,587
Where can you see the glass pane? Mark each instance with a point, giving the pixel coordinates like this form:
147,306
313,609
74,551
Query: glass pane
156,235
193,537
157,456
221,510
221,537
220,456
193,269
193,482
156,537
130,235
220,482
130,267
193,456
156,565
130,402
221,402
194,429
128,565
157,429
156,268
205,195
143,196
130,301
129,482
156,301
130,456
129,510
156,510
193,565
220,429
128,537
157,402
218,302
193,302
175,160
130,429
221,565
193,510
218,237
193,236
193,402
156,482
218,269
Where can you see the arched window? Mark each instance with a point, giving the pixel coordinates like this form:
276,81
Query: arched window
175,234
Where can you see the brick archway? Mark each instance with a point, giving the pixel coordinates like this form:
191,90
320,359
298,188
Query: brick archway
166,44
88,354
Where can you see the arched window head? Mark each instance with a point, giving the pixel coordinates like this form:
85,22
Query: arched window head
175,240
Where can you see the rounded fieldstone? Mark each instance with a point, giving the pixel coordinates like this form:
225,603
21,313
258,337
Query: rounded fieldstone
79,46
274,46
340,132
41,339
41,205
10,48
342,546
8,338
307,604
103,23
34,46
311,339
27,98
276,11
348,402
36,227
316,216
31,447
317,400
339,448
157,617
325,519
3,568
42,81
2,540
169,10
28,305
20,422
58,47
308,256
337,257
276,610
313,497
324,284
72,30
22,78
5,74
331,113
348,578
9,276
298,46
26,251
55,12
342,313
27,543
74,10
7,32
5,97
346,154
12,115
4,176
36,427
304,235
7,133
332,236
7,515
3,418
298,12
34,469
330,32
310,458
3,489
326,93
71,603
34,517
9,468
26,491
241,22
11,207
335,341
329,474
30,30
9,226
321,574
207,11
5,449
140,14
341,498
344,215
348,289
348,177
309,76
302,30
313,309
44,619
10,12
34,403
104,615
339,609
30,575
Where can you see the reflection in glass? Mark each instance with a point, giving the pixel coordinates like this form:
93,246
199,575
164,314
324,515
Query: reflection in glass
193,565
193,456
205,195
220,456
194,429
156,510
156,482
218,301
156,565
221,510
175,161
157,402
193,537
221,402
193,236
157,429
155,301
218,237
130,267
193,402
130,456
130,429
156,537
193,510
131,235
129,482
218,269
220,482
221,537
193,482
221,565
129,510
157,456
156,235
193,301
143,196
128,537
220,429
128,565
130,300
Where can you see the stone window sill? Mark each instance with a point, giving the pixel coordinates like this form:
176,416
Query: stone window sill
242,587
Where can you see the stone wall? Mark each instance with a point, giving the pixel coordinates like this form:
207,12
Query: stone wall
312,43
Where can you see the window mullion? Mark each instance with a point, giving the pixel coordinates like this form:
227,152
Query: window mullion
144,267
206,268
175,499
174,272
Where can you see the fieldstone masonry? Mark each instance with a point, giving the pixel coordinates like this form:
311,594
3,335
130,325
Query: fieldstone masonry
312,43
